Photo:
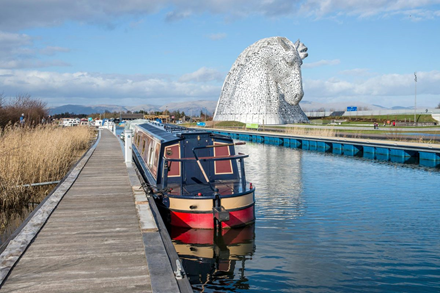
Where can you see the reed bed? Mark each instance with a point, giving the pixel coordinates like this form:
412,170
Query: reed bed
34,155
311,131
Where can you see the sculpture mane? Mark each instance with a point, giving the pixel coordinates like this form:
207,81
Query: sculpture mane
264,84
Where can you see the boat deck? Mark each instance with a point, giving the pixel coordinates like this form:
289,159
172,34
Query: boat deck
225,187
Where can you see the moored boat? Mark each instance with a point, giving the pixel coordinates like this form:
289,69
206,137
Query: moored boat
195,176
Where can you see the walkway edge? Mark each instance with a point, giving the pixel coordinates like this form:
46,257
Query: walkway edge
161,271
18,245
159,250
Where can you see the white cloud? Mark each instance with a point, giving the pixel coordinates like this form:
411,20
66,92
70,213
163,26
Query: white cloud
19,14
93,88
11,40
218,36
31,63
13,45
381,85
177,15
321,63
356,72
50,51
416,14
386,90
363,9
18,51
203,75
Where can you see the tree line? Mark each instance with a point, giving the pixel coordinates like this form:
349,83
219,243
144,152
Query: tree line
32,110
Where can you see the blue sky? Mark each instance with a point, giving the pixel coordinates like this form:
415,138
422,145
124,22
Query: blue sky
137,52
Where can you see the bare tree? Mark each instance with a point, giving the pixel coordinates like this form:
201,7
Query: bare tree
11,110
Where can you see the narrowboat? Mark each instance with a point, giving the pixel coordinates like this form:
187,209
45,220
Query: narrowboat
196,177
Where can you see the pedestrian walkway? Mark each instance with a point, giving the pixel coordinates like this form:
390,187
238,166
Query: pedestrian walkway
92,241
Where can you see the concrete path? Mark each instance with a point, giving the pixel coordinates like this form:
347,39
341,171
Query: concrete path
92,242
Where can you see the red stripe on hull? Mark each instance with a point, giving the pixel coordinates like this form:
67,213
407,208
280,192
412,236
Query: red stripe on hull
206,220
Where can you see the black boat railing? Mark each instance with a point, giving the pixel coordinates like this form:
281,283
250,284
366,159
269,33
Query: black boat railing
221,145
241,176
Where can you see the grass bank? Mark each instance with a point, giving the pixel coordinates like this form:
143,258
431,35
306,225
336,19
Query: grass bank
421,118
328,132
33,155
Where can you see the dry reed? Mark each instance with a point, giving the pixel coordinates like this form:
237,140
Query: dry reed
33,155
311,131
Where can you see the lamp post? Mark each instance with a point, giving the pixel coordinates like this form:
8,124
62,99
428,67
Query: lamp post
415,96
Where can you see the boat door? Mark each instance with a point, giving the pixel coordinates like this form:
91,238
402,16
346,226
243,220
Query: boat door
191,168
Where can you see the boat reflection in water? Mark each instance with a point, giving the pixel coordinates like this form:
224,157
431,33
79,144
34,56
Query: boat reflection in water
211,260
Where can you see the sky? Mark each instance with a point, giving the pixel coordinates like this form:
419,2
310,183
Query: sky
137,52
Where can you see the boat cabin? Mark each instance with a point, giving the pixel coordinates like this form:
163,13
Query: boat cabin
182,159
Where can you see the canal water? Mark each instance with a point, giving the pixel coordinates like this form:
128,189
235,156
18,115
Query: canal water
325,223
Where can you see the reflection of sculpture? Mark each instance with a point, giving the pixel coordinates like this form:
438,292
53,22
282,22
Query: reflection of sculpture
264,85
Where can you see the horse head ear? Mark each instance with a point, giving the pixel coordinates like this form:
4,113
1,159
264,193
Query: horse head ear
302,49
283,44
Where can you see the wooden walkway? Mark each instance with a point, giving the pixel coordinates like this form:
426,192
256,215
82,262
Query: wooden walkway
92,241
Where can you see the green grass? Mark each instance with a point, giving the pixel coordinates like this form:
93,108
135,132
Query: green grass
422,118
356,123
384,131
229,123
362,126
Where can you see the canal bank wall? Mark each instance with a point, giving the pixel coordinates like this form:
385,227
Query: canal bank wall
423,154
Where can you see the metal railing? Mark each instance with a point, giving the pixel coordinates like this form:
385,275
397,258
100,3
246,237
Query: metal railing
208,176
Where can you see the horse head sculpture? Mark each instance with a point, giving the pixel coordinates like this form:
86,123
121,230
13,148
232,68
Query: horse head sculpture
264,84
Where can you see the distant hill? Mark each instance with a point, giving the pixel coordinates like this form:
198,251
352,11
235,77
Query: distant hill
191,107
145,108
80,109
337,106
401,108
194,107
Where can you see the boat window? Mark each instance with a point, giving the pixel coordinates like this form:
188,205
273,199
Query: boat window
173,152
222,167
150,160
151,157
146,155
143,147
156,155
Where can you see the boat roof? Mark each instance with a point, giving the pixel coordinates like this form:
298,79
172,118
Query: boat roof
170,133
159,132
